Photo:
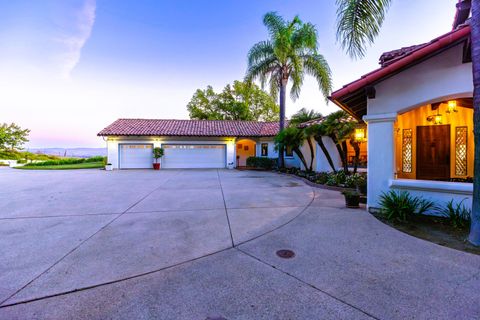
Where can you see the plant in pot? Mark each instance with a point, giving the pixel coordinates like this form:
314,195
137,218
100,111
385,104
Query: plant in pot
352,198
157,154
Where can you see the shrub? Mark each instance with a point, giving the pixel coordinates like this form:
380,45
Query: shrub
457,214
401,206
66,161
358,181
336,179
261,162
322,177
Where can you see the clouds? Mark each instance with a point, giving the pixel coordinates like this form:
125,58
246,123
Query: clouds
77,30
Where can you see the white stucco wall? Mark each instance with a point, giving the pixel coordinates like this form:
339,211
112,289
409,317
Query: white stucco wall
438,79
321,163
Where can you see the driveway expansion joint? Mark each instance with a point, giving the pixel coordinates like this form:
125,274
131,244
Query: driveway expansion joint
307,283
2,303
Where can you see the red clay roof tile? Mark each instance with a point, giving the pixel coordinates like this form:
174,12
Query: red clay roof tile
192,128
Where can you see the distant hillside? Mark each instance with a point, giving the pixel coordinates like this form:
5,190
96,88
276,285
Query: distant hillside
71,152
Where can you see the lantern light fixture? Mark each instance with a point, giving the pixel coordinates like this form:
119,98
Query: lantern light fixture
360,134
452,106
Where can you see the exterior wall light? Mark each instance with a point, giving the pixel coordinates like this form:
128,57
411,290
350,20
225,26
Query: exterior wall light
360,135
452,106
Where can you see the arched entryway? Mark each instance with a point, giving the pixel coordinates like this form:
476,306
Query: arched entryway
245,148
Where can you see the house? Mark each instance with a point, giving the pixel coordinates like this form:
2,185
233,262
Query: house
190,143
419,110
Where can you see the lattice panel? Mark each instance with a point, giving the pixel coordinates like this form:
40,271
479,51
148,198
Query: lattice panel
461,134
407,150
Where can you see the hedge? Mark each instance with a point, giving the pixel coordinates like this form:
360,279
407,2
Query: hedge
261,162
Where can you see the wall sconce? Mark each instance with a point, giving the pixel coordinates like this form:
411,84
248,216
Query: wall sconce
436,119
452,106
360,135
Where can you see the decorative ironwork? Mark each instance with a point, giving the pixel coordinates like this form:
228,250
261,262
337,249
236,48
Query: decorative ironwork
407,150
461,134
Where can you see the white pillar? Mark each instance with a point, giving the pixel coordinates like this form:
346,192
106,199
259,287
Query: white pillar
381,155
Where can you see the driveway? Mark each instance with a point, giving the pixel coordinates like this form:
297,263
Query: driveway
198,244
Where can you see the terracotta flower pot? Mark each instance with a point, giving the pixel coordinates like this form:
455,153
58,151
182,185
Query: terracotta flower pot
156,166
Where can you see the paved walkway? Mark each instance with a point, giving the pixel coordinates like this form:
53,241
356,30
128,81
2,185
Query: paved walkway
198,244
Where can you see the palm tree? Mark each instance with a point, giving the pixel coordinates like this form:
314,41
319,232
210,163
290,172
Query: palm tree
301,116
289,54
293,138
359,22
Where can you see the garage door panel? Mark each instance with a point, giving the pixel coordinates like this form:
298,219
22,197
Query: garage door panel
193,156
136,156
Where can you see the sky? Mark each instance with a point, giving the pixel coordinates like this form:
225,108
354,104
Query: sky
68,68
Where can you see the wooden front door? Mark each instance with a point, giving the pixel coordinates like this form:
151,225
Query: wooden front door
433,152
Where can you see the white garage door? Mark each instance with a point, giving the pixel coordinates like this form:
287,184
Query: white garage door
136,156
193,156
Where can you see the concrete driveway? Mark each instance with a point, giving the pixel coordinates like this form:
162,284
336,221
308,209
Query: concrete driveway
198,244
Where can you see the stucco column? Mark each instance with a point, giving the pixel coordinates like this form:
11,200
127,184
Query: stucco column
381,155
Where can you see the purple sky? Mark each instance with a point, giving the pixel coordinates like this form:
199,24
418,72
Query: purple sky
70,68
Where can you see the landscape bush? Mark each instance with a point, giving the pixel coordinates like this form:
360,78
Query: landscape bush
457,214
401,206
66,161
261,162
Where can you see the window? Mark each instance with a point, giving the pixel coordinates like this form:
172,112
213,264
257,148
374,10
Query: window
407,151
288,151
264,149
461,151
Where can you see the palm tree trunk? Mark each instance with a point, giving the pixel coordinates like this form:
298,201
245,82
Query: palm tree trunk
312,153
345,156
356,147
325,152
283,91
474,236
340,151
300,156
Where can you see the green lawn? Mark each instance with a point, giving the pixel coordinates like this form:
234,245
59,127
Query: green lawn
84,165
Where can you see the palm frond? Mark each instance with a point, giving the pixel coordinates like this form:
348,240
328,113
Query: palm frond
358,23
297,75
261,70
274,23
260,51
305,37
316,66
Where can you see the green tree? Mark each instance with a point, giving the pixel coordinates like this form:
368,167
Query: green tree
290,53
359,23
301,116
12,136
242,101
319,131
294,138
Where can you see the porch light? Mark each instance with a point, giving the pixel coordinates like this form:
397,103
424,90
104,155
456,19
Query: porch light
360,135
452,106
436,119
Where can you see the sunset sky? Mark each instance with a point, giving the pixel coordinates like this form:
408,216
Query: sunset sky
70,68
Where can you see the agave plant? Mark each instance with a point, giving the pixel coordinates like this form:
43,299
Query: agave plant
457,214
401,206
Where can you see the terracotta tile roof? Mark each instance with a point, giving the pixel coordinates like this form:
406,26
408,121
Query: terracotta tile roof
321,120
391,56
192,128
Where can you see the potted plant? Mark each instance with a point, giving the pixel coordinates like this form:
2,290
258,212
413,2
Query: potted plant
108,167
157,154
352,198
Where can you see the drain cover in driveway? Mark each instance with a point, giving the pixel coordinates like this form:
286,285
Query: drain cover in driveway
285,254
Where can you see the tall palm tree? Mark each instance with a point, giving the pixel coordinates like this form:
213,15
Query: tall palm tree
289,54
358,24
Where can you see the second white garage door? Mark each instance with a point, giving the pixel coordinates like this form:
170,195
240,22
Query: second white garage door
194,156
